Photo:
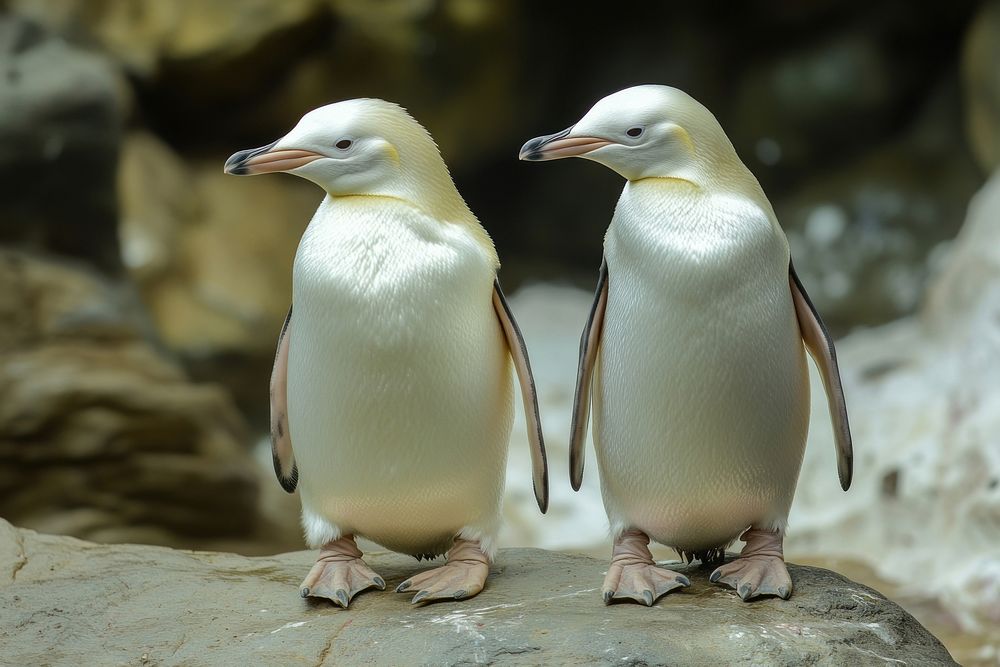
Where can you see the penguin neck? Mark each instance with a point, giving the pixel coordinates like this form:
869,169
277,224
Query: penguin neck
433,194
436,202
724,176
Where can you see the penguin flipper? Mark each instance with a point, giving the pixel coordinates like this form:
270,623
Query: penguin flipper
519,354
281,440
820,345
590,343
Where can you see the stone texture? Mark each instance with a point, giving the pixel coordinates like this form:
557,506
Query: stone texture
158,200
924,401
839,93
212,257
63,601
863,235
859,75
61,111
188,34
101,435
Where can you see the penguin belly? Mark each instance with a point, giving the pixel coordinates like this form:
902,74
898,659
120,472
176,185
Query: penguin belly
399,387
701,395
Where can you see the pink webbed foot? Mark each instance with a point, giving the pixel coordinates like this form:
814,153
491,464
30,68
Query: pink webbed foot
463,576
760,568
339,573
634,575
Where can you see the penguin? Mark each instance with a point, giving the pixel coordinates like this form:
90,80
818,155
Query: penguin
693,356
391,391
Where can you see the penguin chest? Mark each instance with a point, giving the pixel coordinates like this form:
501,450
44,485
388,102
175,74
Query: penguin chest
701,394
398,380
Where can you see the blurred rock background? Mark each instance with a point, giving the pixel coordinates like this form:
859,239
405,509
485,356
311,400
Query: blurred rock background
141,290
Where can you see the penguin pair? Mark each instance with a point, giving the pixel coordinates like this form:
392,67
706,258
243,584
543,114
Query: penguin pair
393,371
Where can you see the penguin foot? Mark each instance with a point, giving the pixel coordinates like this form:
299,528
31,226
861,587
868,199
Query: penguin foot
634,575
463,576
339,573
760,568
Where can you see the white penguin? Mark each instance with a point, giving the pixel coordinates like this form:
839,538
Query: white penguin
695,350
392,380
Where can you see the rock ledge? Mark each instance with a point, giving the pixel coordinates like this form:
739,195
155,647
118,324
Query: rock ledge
65,601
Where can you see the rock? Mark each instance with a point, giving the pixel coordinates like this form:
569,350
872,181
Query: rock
158,199
403,51
862,235
924,402
825,99
147,605
102,436
61,111
198,68
249,69
834,96
212,256
217,37
981,79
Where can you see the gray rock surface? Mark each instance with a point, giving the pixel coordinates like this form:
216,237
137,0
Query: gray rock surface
101,435
864,234
212,258
925,415
61,112
63,601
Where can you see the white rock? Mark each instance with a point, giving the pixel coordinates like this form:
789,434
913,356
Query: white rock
924,399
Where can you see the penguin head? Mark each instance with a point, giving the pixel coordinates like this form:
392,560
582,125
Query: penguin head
648,131
360,147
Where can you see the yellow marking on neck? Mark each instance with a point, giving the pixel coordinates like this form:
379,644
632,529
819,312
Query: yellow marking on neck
685,138
393,154
476,229
674,179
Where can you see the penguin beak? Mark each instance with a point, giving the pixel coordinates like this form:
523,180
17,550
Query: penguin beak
560,145
266,160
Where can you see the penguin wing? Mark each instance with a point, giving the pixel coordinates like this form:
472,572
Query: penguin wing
590,342
519,354
281,440
820,345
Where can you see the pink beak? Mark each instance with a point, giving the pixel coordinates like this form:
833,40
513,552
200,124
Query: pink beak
265,160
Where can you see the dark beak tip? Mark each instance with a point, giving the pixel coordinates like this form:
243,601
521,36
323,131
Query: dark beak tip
529,151
234,165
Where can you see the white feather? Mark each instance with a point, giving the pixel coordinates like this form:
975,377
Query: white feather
400,394
701,391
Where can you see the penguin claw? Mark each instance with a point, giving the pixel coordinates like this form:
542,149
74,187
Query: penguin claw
633,575
341,596
463,576
339,580
755,576
760,569
642,583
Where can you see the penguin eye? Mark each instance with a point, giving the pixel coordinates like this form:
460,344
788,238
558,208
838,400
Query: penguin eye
634,132
344,144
